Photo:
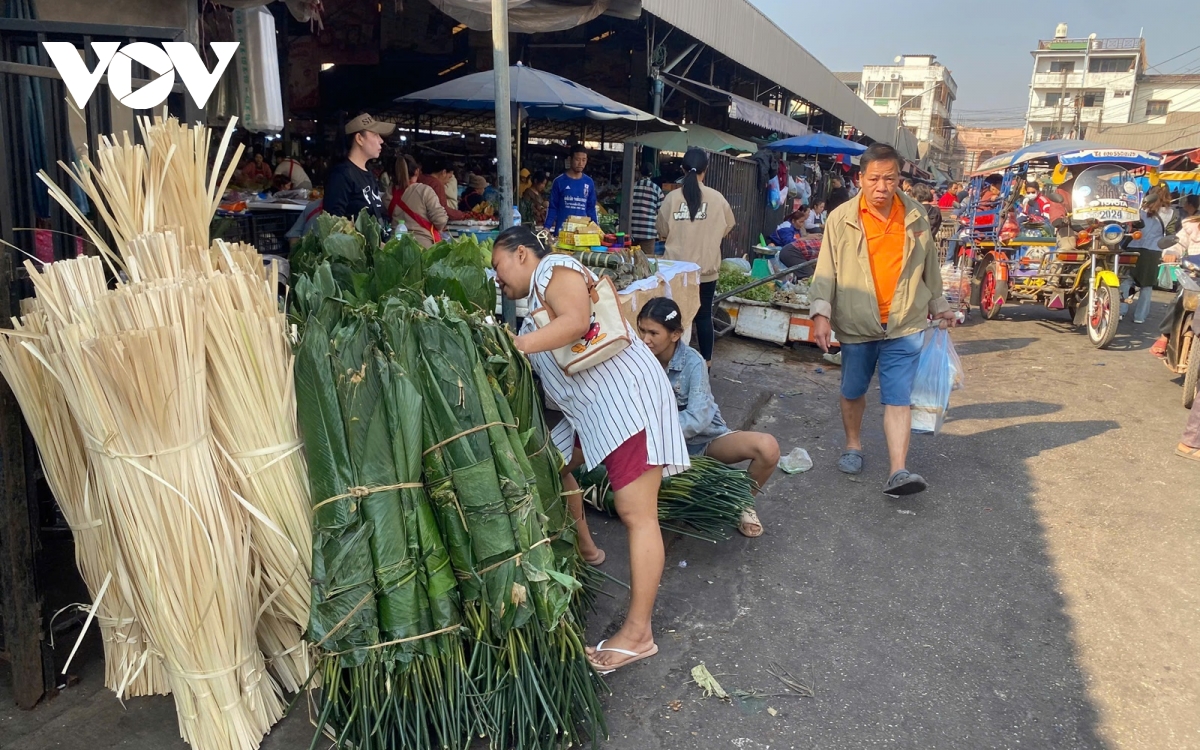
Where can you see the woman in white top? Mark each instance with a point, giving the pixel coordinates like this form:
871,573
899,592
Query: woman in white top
621,412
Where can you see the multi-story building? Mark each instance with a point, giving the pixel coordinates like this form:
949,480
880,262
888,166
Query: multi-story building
919,93
1099,89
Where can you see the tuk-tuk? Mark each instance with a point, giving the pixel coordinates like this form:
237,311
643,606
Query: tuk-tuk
1065,247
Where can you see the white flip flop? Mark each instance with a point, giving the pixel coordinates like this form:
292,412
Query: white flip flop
633,656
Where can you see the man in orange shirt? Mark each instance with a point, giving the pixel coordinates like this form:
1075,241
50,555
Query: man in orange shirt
877,284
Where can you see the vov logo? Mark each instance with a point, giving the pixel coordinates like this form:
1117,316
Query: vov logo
171,58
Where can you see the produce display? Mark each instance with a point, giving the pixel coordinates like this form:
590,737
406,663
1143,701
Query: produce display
622,266
445,577
731,278
795,294
156,379
705,502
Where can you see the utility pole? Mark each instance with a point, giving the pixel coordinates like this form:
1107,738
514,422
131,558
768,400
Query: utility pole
504,143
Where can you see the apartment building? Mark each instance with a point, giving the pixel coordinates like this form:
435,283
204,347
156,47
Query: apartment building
918,93
1099,89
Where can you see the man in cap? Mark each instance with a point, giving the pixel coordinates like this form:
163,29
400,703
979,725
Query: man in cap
350,186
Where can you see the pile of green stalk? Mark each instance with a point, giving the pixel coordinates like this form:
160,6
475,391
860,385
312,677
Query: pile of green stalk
705,502
444,583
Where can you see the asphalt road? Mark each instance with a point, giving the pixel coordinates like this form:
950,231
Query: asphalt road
1043,593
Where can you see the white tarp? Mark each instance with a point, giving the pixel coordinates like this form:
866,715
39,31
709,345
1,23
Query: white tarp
535,16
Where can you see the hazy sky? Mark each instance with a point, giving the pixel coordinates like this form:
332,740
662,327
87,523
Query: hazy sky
992,69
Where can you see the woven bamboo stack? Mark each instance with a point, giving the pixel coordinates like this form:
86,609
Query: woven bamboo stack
161,401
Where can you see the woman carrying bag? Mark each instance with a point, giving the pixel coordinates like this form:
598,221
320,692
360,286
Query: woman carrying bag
416,204
693,221
618,407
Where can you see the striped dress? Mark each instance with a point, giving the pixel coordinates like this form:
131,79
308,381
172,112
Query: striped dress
609,403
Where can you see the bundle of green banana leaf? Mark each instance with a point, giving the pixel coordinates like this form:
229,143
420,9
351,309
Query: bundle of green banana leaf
444,561
705,502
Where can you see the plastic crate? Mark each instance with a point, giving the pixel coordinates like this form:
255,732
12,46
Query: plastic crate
232,227
270,228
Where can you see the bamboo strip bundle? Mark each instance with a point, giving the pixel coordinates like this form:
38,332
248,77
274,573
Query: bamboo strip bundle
138,388
67,292
129,668
136,188
253,415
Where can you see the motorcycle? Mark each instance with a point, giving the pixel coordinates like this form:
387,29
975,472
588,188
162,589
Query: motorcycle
1182,356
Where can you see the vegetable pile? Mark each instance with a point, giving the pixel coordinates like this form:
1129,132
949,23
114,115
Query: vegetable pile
731,278
705,502
445,575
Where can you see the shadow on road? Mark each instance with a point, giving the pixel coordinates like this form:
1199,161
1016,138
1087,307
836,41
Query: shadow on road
986,346
934,622
1002,410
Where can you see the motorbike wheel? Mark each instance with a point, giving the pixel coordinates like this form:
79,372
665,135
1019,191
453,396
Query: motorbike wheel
1191,379
1102,322
992,292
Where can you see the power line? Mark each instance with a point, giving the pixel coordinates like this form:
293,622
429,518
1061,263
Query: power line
1169,59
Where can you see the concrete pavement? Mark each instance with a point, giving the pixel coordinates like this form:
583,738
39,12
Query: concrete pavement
1041,594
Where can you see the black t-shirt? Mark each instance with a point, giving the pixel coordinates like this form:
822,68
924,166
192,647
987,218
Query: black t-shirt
348,190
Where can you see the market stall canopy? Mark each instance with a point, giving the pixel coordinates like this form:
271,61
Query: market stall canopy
538,16
539,94
737,107
1070,153
695,135
819,144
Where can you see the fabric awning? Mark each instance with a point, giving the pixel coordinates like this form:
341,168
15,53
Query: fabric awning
738,107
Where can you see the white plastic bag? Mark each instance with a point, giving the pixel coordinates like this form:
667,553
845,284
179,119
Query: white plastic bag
939,371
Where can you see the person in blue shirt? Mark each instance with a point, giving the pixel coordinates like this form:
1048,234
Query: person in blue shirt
573,193
660,325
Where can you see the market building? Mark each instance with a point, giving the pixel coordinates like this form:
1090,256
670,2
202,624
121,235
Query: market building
295,84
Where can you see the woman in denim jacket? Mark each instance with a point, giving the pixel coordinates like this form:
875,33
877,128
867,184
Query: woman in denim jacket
661,327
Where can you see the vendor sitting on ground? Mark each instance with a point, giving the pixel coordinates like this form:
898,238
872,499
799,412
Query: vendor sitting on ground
661,327
793,226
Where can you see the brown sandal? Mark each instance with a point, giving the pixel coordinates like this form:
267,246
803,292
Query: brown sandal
1187,451
750,525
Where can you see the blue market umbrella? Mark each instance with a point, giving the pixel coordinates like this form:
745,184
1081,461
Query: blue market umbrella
817,143
541,94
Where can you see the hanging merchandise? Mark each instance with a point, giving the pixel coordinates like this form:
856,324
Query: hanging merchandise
774,194
258,70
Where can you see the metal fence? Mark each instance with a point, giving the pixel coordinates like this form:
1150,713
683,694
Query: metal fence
738,180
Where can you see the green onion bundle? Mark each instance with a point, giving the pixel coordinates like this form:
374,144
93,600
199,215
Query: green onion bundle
706,501
444,562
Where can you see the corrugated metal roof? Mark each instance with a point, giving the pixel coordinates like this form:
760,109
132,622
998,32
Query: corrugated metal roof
741,32
850,77
741,108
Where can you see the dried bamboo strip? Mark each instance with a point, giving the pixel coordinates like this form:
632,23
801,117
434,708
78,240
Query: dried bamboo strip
24,363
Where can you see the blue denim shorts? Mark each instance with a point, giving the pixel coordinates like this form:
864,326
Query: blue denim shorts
896,360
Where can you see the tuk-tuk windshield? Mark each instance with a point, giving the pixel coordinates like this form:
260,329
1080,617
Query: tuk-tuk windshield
1105,193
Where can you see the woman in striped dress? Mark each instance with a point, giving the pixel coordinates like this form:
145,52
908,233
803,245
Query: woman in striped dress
621,412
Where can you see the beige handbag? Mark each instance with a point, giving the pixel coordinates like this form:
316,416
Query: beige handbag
606,337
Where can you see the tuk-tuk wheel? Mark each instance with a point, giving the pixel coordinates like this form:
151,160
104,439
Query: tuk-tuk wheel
992,292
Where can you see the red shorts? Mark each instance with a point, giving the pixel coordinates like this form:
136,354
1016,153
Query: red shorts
629,461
